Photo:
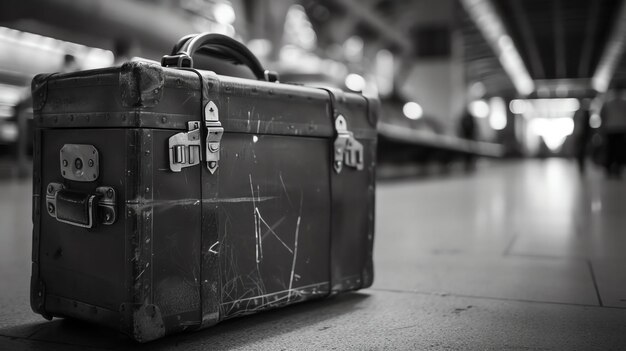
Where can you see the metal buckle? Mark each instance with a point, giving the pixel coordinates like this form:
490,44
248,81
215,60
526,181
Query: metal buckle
178,60
353,156
184,148
106,204
348,150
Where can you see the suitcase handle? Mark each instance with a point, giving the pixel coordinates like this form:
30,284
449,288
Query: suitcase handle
216,45
80,209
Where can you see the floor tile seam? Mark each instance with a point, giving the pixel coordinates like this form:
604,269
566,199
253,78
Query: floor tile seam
496,255
495,298
548,257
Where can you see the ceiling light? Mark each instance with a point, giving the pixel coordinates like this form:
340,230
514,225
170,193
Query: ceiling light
224,13
412,110
479,109
497,115
553,131
355,82
489,23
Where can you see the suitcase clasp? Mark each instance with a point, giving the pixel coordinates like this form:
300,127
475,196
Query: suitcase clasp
184,148
213,136
348,150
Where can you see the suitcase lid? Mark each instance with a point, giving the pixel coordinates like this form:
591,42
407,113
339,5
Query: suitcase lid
142,94
145,95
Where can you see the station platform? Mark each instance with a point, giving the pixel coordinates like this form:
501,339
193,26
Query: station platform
519,255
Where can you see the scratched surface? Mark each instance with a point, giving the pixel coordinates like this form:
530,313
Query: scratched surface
271,248
518,256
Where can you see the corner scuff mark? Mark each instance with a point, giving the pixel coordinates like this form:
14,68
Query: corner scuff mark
210,316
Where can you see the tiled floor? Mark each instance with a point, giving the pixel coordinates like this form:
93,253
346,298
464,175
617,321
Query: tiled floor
520,255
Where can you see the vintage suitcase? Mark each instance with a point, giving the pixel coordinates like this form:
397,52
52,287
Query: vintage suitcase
169,198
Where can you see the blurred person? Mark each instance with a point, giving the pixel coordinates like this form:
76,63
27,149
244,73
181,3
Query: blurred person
467,130
582,133
613,115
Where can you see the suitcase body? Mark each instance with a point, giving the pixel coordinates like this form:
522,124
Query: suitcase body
170,199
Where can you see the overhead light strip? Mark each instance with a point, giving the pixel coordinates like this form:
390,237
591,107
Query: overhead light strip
44,43
612,54
488,22
90,57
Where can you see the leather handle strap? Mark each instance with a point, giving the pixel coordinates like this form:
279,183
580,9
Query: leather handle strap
219,46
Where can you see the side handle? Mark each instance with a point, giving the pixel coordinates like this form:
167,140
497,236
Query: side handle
80,209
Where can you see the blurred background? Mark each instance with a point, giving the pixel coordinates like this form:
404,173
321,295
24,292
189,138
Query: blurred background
528,78
502,140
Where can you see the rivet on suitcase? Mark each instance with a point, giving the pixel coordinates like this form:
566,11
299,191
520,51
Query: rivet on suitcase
167,198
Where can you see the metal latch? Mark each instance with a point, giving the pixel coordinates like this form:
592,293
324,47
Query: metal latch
185,148
348,150
213,137
80,209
